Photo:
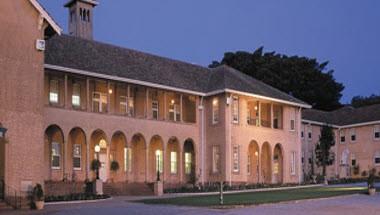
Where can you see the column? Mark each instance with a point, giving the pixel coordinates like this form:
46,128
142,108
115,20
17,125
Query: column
165,112
146,164
146,103
181,164
108,97
181,107
88,94
271,115
66,92
88,159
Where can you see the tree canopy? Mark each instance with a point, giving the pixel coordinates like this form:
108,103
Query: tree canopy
301,77
324,157
361,101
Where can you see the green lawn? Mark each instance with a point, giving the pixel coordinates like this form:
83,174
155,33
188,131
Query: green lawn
259,197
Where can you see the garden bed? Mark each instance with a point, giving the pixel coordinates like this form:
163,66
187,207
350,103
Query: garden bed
75,197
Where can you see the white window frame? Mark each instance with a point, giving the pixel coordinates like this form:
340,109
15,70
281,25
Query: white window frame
215,110
175,110
155,109
173,162
353,157
353,133
131,106
159,160
235,109
249,164
123,103
75,97
58,154
376,156
376,130
127,159
79,156
235,158
54,91
188,163
215,158
293,157
103,99
342,133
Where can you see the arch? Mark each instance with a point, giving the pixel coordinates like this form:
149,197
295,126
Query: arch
278,163
156,158
138,147
172,160
253,162
266,163
99,137
77,154
54,153
118,143
189,161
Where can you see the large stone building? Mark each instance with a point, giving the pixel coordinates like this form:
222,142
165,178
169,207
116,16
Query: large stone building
150,114
357,140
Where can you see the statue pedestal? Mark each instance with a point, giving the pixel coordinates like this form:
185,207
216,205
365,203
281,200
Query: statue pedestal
98,187
158,188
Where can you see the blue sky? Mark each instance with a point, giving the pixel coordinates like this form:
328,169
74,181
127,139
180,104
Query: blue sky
344,32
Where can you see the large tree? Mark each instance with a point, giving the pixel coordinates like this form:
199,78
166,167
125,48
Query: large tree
324,157
361,101
301,77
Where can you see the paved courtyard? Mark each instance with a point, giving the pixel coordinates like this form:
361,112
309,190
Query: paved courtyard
347,205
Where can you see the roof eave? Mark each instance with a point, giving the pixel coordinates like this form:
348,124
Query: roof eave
44,14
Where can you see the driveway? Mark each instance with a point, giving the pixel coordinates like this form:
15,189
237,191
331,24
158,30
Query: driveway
346,205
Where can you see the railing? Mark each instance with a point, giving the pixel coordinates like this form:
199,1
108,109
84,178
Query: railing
253,121
12,196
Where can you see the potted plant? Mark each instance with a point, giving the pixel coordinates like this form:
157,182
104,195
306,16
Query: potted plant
114,166
371,182
38,197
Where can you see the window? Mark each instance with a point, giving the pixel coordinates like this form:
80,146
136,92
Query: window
155,109
342,137
302,135
99,102
215,111
131,106
277,117
174,111
309,135
253,113
249,164
353,135
353,160
377,158
215,159
123,104
293,163
235,109
77,154
75,98
376,132
235,158
127,159
55,155
173,162
54,91
292,125
159,161
188,163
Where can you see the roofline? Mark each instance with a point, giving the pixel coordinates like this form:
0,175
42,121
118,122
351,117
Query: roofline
319,123
258,96
46,16
93,2
343,126
116,78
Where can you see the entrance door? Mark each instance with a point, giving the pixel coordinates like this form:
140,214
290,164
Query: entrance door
103,169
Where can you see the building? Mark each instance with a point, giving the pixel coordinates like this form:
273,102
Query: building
148,113
357,144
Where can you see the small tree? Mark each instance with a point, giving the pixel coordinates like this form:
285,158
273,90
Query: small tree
324,157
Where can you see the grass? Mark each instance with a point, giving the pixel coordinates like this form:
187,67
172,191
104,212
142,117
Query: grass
255,198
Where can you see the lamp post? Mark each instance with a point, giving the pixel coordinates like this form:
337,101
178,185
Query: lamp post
97,150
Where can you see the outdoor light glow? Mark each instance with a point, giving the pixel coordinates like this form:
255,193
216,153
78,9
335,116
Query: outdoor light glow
172,101
102,144
256,153
215,102
97,148
256,108
110,91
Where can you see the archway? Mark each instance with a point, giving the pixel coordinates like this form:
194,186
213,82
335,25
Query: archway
278,162
138,146
99,138
77,154
253,162
54,153
266,163
156,161
118,143
172,159
189,161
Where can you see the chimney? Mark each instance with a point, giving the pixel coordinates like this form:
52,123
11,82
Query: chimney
81,18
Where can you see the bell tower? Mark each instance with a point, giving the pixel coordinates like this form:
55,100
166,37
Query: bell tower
81,18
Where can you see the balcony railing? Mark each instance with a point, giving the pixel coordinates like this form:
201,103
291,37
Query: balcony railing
253,121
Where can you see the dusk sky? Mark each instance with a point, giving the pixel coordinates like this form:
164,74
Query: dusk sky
344,32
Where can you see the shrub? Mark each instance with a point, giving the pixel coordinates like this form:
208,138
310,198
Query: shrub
114,166
356,170
38,193
95,165
364,173
371,178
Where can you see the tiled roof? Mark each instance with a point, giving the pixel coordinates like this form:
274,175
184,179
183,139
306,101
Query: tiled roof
87,55
344,116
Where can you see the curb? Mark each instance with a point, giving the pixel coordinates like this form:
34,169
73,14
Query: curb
76,202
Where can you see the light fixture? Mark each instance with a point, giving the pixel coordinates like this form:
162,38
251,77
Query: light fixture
256,107
97,148
256,153
2,131
215,102
110,91
172,101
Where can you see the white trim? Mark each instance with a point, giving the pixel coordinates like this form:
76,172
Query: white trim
160,86
46,16
343,126
318,123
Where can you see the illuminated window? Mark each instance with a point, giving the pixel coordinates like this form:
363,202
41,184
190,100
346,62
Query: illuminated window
55,155
159,161
75,98
99,102
127,159
174,111
54,91
131,106
293,163
155,109
173,162
215,111
77,155
235,109
249,164
235,158
215,159
188,163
